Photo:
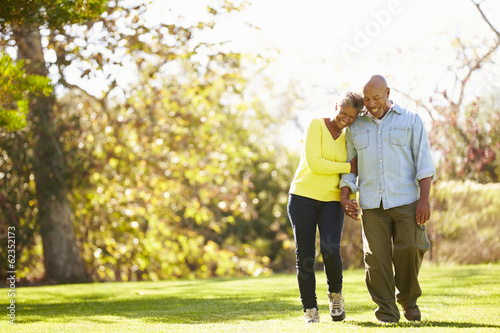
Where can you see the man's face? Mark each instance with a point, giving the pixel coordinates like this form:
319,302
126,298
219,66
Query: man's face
376,98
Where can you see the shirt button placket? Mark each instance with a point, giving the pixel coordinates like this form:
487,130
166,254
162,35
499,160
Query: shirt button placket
379,139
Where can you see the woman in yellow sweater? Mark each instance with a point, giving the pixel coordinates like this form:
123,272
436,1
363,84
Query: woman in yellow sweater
315,201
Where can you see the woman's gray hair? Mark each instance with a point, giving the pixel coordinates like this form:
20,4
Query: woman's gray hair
352,99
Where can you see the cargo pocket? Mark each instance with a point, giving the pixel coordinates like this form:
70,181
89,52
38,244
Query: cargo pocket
421,241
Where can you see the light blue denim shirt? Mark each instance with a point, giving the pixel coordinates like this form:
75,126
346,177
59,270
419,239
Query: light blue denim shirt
392,158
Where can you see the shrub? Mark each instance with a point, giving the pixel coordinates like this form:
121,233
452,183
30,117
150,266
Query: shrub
464,226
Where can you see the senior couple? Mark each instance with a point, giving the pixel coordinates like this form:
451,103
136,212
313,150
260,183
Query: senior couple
383,153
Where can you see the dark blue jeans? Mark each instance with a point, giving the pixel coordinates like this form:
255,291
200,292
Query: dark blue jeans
305,214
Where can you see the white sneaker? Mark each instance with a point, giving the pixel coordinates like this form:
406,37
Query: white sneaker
336,301
311,316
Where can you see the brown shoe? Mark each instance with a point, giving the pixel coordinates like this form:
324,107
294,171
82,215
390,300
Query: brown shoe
412,313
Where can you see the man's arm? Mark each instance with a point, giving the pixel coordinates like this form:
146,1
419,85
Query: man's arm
423,205
422,152
349,179
348,182
425,169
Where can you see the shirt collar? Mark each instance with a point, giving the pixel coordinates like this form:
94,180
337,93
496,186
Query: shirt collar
394,107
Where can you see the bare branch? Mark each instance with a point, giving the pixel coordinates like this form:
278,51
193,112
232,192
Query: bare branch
478,6
479,61
476,66
418,102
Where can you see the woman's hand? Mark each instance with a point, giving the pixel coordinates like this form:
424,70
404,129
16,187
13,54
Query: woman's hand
354,165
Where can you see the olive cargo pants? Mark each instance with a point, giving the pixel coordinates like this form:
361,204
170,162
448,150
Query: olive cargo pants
392,238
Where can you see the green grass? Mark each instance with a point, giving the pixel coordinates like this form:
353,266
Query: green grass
458,298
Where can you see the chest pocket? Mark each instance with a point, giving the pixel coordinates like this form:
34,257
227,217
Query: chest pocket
399,136
361,139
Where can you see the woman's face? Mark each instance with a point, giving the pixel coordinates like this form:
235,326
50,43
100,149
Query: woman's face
345,117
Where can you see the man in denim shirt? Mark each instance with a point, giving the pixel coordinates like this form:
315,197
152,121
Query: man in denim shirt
395,172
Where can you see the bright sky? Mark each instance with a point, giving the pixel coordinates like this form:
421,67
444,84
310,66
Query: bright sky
326,46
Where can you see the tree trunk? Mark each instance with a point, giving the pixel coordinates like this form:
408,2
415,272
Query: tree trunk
62,259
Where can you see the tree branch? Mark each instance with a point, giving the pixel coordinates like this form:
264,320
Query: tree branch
476,66
478,6
418,102
479,61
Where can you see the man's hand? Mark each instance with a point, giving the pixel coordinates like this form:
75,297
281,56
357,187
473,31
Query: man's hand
423,211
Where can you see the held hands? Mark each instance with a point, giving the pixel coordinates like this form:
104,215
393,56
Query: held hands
350,208
354,165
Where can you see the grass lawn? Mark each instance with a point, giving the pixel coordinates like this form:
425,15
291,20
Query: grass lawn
457,298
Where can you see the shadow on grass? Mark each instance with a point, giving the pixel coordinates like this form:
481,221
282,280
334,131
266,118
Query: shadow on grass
176,310
187,302
424,323
173,310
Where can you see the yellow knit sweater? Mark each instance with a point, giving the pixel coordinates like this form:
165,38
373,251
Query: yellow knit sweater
322,162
